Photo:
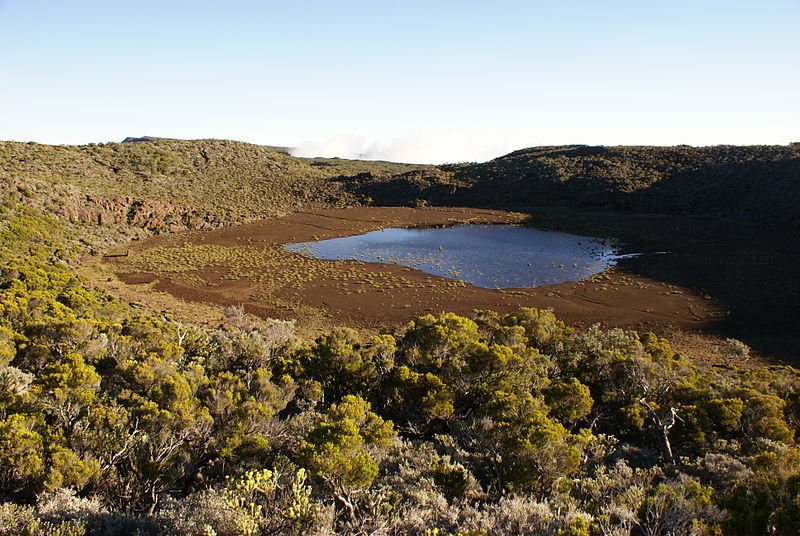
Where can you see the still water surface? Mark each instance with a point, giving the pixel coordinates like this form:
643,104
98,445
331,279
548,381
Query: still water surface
489,256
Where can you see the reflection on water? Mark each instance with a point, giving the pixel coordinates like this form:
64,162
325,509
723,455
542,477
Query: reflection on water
489,256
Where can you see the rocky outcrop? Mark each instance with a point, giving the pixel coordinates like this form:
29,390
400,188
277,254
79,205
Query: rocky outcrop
155,216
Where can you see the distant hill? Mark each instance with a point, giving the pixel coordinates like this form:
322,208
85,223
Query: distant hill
143,139
134,139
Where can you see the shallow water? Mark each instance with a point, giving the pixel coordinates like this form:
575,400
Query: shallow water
489,256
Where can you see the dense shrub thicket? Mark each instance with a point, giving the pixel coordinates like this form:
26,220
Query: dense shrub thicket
114,421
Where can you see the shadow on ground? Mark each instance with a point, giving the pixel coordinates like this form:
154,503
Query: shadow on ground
753,270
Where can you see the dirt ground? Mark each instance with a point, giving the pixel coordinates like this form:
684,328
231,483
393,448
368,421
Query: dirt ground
246,265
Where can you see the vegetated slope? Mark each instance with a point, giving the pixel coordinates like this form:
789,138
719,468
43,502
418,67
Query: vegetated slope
115,420
166,185
757,183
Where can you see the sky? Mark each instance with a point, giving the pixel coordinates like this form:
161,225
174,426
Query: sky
427,81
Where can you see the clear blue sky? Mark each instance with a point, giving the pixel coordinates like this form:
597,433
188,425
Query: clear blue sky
413,80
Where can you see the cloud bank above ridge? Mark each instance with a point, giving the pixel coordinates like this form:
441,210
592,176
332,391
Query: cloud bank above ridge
419,147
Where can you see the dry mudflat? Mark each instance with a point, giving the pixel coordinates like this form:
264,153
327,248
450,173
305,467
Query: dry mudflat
247,265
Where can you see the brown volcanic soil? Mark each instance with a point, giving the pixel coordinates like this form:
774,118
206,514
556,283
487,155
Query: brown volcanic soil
246,265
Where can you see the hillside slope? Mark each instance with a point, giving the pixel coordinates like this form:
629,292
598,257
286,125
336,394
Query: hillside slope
167,185
758,183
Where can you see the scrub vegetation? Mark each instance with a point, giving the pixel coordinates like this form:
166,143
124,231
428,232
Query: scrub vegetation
756,183
116,419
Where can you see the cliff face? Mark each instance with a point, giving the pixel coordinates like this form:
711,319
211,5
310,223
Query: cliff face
151,215
108,213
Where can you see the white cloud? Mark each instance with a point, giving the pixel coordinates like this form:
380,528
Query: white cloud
420,147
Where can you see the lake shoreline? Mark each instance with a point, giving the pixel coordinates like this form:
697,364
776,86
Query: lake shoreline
485,255
376,296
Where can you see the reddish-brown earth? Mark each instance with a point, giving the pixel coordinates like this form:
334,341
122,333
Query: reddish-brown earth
381,295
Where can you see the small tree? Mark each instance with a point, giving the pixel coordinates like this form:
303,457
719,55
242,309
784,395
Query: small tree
338,450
